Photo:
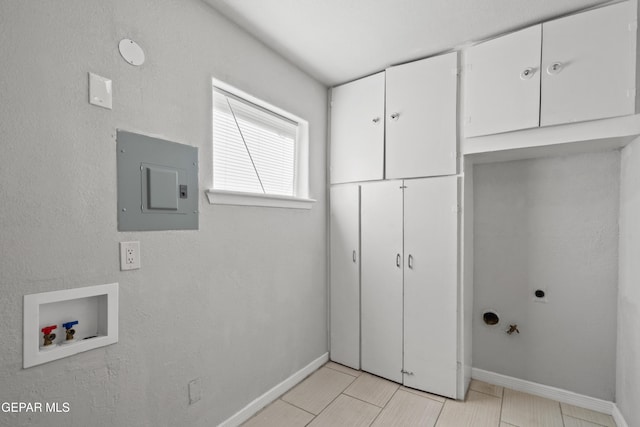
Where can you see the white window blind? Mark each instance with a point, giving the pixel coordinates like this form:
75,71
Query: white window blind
254,149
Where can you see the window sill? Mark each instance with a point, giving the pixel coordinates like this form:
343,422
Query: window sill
236,198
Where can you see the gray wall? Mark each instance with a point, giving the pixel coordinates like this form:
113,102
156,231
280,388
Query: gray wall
628,357
239,304
552,224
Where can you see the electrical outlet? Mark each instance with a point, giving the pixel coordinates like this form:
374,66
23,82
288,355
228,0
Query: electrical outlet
129,255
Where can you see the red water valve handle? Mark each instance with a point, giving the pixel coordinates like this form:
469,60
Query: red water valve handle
47,329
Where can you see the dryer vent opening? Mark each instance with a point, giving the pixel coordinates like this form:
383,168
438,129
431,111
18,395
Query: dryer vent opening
490,318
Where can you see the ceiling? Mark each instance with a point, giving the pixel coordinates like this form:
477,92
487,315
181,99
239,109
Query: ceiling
336,41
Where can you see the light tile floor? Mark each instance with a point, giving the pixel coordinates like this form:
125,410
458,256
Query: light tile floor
336,396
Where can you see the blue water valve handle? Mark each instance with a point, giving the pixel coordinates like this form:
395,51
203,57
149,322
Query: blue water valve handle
69,325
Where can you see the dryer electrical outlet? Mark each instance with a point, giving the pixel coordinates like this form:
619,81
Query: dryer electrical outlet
129,255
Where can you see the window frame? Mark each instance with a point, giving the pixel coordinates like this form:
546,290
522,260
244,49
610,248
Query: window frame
300,199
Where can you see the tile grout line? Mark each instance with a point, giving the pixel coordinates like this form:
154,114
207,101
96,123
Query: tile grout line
335,398
486,394
417,393
342,372
369,403
295,406
582,419
578,418
500,420
440,412
383,408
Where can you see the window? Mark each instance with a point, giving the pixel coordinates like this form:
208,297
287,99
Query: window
259,152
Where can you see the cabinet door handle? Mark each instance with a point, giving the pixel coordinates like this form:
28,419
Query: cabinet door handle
410,261
555,68
376,120
398,260
354,255
527,73
395,116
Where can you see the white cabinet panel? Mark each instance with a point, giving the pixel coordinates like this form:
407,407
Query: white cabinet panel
595,57
581,67
410,282
345,275
381,280
430,284
502,84
357,130
421,129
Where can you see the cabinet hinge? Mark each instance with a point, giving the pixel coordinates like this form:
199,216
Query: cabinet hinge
406,372
456,71
633,26
402,187
456,208
632,92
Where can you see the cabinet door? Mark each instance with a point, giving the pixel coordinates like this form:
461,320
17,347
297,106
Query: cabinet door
430,284
381,287
345,275
421,127
502,84
588,63
357,130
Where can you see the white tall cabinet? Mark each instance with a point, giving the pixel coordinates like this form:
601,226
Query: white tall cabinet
382,272
345,275
410,282
431,227
394,226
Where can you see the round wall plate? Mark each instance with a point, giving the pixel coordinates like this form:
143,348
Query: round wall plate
131,52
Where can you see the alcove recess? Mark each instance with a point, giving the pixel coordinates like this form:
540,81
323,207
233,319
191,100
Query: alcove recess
94,307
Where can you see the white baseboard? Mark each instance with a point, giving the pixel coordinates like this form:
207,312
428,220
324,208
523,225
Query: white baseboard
549,392
252,408
618,418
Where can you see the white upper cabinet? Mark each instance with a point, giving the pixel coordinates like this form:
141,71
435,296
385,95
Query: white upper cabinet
577,68
502,91
357,130
421,126
589,65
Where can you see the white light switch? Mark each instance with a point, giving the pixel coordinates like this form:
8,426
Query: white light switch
100,91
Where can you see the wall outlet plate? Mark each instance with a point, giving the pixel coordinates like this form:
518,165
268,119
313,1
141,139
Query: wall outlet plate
129,256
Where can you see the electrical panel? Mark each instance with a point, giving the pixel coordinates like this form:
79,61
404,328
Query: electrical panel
157,184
